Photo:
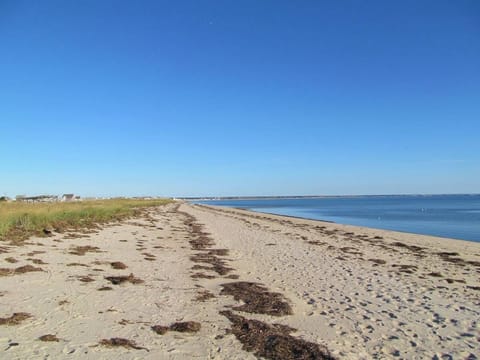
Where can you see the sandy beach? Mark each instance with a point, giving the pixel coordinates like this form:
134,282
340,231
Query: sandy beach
189,281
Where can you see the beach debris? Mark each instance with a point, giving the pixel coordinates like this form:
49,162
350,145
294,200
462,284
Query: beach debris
218,265
121,342
11,260
350,250
117,280
413,248
316,242
201,275
19,270
4,249
15,319
377,261
36,252
74,236
82,250
452,257
37,261
185,326
257,298
204,295
160,329
48,337
85,279
105,288
273,341
405,268
77,264
233,276
118,265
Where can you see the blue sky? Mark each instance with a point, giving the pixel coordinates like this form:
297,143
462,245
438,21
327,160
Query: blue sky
183,98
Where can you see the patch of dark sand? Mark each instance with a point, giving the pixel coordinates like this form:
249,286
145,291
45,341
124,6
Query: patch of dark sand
82,250
121,342
435,274
117,280
184,327
273,341
19,270
86,279
118,265
49,337
257,298
15,319
11,260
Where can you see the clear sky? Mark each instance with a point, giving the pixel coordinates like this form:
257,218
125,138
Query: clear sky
271,97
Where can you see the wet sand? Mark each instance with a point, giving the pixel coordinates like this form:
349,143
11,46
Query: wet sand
189,281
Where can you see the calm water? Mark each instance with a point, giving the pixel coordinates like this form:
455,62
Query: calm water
453,216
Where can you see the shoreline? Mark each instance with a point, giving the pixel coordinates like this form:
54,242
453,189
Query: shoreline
183,280
343,223
334,222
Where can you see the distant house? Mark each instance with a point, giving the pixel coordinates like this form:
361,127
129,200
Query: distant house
68,197
36,198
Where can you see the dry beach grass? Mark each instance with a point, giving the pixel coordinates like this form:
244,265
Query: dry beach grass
18,220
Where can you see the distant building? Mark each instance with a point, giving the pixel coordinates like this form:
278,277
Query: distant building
36,198
68,197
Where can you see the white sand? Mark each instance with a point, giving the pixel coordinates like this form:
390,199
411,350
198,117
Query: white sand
340,297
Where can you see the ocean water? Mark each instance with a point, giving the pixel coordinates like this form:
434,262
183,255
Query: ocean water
451,216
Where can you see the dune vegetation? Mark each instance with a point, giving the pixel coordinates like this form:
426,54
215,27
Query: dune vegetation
19,220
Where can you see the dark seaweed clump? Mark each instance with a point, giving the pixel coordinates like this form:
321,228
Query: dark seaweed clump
257,298
273,341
